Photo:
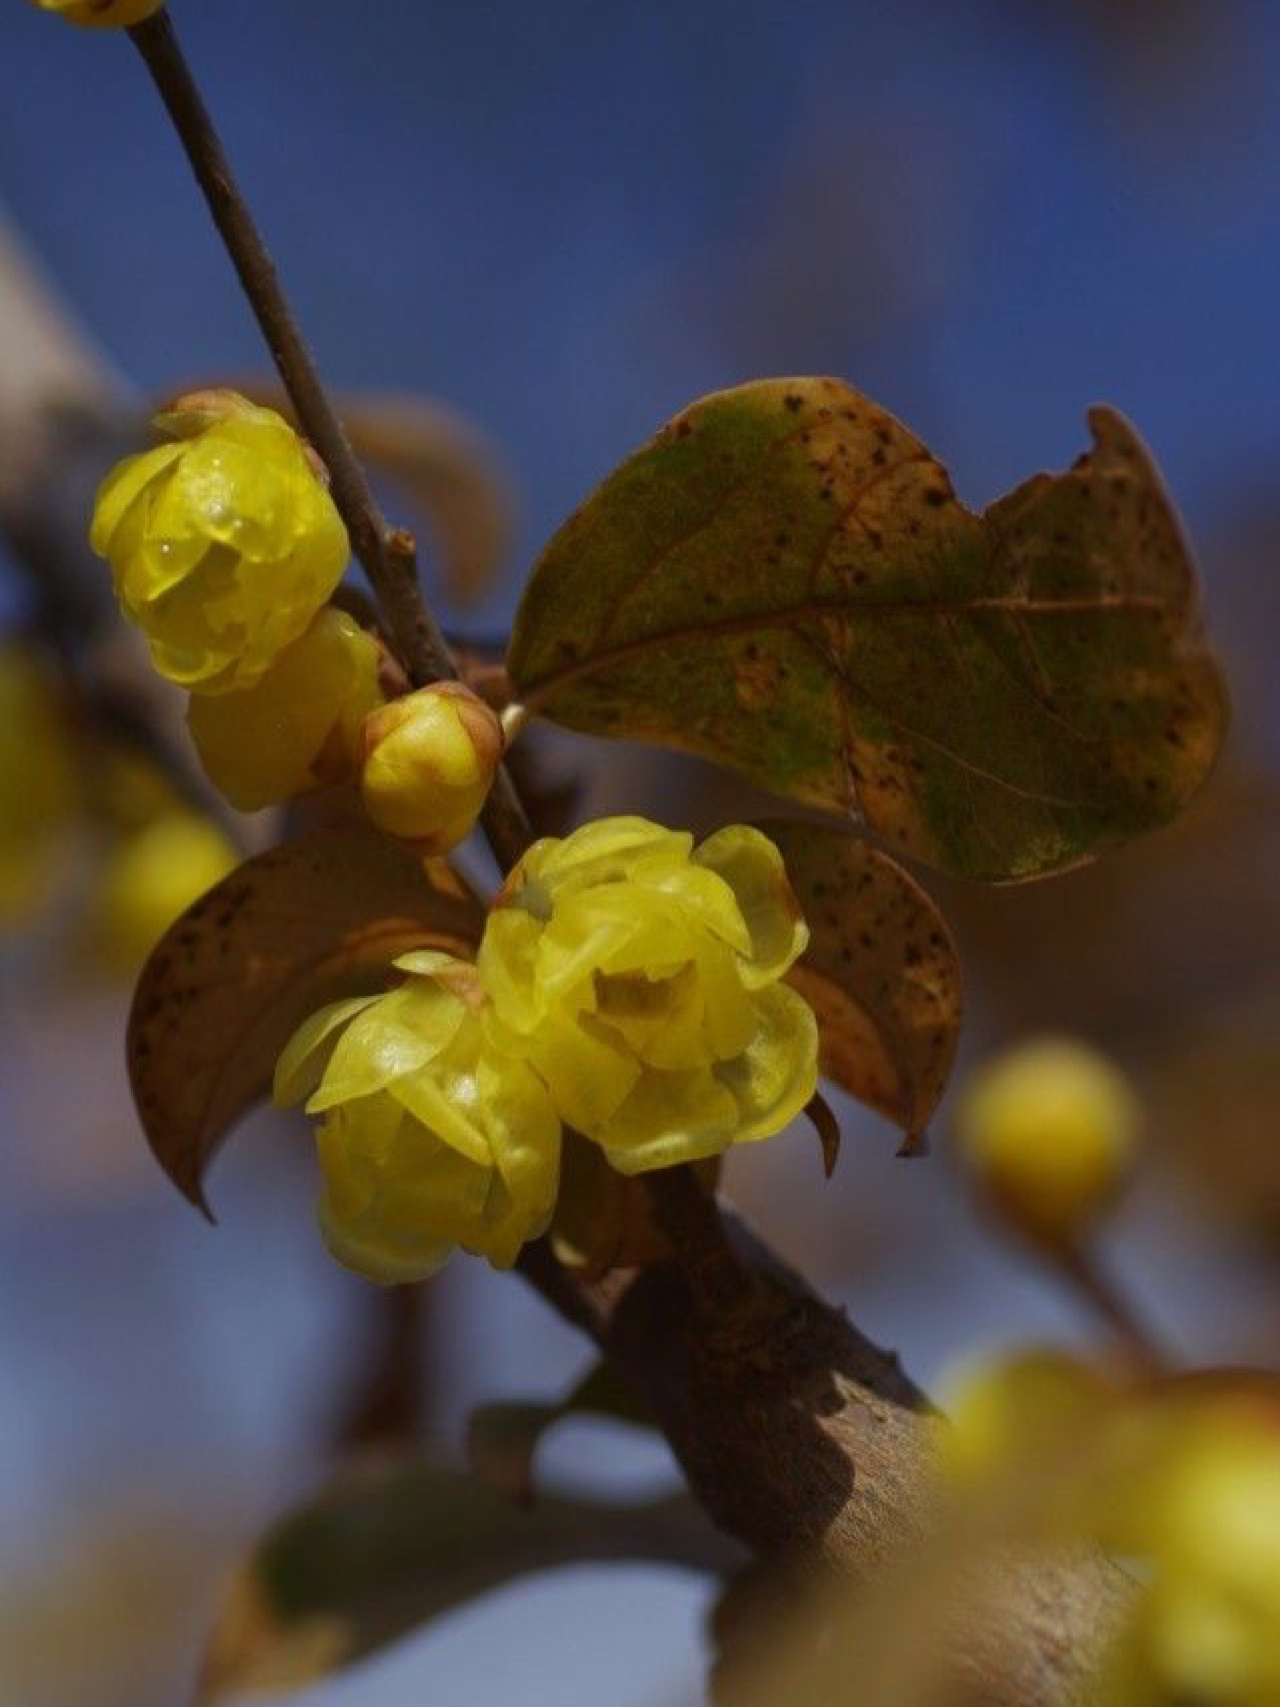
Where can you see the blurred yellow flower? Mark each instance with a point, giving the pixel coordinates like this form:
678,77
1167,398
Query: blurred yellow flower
1008,1412
102,14
1047,1130
37,784
432,1136
153,876
223,545
299,726
641,977
430,760
1207,1527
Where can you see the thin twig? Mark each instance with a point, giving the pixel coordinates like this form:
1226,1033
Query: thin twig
388,555
1087,1275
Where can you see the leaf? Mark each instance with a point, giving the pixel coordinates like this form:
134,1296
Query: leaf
503,1439
881,972
784,581
391,1546
227,985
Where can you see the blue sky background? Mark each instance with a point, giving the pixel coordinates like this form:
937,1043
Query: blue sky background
569,219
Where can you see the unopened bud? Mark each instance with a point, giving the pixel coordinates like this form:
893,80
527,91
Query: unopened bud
299,727
430,760
1047,1130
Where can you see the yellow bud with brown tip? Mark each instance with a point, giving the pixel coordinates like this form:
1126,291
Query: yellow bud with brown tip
1048,1130
430,760
102,14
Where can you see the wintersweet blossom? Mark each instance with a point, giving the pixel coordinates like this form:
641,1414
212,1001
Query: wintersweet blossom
223,544
431,1134
641,979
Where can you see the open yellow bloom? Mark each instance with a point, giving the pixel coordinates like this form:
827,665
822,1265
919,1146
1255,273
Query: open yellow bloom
641,978
223,545
102,14
299,726
37,784
432,1135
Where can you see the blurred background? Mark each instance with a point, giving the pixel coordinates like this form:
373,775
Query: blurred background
564,222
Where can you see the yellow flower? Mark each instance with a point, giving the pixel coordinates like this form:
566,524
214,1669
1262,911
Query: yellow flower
430,760
152,877
299,726
102,14
37,784
641,978
1009,1413
223,545
1207,1626
432,1135
1048,1130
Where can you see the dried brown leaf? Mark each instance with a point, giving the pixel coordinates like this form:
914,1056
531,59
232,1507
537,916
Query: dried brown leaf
881,972
297,927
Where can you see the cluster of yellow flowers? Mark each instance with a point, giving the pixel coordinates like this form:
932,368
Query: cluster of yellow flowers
628,985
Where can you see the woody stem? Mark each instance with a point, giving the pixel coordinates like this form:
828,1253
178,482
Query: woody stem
389,555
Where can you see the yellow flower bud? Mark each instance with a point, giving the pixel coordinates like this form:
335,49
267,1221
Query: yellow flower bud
430,760
102,14
299,726
152,877
641,978
37,784
1047,1131
223,544
432,1135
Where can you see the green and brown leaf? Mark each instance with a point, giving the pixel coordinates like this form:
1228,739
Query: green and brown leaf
227,985
784,581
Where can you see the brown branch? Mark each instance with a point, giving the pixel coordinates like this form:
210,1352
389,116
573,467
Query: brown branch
389,555
797,1434
805,1440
